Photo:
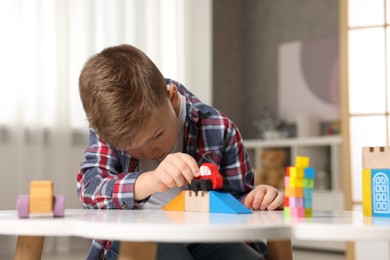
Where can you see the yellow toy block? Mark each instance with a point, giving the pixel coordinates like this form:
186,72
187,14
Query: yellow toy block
302,161
177,203
308,212
41,196
300,172
293,182
367,194
376,157
293,172
197,201
299,183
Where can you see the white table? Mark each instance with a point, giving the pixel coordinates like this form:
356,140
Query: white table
174,226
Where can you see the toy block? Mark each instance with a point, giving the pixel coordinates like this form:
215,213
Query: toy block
308,183
296,192
380,192
223,202
309,173
308,193
287,191
299,183
287,181
288,170
296,202
376,157
202,199
367,195
286,201
300,172
308,203
302,161
176,203
287,212
293,182
297,212
308,212
293,172
197,201
41,196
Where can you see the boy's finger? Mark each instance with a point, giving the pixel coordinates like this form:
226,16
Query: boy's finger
249,200
277,203
190,161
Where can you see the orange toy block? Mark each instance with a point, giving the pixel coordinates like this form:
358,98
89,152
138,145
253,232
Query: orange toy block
177,203
197,201
41,196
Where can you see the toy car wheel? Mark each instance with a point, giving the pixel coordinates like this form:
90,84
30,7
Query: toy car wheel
195,185
23,206
59,206
206,185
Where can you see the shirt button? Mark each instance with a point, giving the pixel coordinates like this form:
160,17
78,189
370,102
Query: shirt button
207,155
134,163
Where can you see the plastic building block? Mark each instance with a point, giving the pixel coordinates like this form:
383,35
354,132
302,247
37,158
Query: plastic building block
302,161
376,157
299,183
41,201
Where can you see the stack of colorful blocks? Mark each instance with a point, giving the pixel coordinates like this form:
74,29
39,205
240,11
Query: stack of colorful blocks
299,183
376,184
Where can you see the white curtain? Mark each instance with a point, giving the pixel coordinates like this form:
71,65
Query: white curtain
43,46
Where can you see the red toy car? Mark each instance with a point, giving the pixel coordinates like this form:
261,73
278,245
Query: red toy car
210,178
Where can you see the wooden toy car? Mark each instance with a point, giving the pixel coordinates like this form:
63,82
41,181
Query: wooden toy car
41,200
209,179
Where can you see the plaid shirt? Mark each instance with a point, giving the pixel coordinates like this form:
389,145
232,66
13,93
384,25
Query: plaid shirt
107,175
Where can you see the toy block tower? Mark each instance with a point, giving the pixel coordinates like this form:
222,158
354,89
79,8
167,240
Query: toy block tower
299,183
375,181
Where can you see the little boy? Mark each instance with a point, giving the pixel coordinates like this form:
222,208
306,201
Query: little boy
147,137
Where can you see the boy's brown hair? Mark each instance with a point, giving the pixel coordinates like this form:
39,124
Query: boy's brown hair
120,89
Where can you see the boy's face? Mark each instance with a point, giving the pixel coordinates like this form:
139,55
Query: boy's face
159,137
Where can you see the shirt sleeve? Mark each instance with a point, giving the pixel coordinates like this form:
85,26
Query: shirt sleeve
100,182
235,163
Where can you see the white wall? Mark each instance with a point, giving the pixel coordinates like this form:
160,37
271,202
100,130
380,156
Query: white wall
198,48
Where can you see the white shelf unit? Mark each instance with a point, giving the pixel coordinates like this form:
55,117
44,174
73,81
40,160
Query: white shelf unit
320,150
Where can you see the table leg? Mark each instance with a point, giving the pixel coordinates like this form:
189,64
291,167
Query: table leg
279,250
29,247
137,250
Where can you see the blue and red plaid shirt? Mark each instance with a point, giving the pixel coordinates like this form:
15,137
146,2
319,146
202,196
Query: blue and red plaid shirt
107,175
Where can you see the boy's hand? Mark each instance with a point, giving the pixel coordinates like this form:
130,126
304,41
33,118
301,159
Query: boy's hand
176,170
264,197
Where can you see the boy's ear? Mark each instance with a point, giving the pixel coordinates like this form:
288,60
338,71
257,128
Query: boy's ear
173,95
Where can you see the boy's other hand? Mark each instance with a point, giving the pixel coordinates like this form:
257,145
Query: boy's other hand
176,170
264,197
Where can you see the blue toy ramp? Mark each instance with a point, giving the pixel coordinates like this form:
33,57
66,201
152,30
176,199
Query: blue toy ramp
223,202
